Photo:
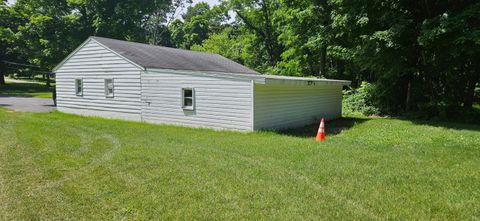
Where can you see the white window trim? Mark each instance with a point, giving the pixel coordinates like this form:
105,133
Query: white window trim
182,92
106,88
78,93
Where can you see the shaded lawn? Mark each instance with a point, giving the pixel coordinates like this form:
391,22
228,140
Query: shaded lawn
59,166
25,89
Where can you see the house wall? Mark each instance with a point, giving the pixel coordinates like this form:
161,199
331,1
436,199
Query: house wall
220,103
93,63
283,106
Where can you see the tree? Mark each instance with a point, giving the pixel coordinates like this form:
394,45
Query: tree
306,34
199,21
121,19
454,29
177,33
225,43
196,26
418,55
50,29
156,23
46,34
257,15
403,45
10,21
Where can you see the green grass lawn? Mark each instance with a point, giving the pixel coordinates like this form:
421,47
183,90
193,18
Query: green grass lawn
56,166
24,88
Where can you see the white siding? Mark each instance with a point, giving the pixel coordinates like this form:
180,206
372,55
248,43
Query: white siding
283,106
220,103
93,63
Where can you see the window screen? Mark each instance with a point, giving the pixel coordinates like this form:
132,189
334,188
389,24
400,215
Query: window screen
108,87
188,98
79,87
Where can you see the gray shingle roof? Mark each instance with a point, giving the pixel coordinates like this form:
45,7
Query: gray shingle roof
151,56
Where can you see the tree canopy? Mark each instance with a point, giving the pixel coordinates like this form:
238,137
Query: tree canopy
419,54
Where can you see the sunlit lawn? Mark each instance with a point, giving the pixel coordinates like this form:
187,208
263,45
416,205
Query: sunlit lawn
55,166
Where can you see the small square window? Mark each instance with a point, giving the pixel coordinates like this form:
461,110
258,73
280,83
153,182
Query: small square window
188,98
108,87
79,87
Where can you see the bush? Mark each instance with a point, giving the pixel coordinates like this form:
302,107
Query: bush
360,101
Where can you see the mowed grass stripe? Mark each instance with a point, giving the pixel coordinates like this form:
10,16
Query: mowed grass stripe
5,131
63,166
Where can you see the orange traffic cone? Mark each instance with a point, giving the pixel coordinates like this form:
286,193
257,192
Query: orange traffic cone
321,131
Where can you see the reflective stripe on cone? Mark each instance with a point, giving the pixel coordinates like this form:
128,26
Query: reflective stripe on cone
321,131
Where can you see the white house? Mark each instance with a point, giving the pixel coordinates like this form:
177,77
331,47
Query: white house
132,81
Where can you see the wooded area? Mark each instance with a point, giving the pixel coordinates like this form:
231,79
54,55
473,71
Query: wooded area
417,55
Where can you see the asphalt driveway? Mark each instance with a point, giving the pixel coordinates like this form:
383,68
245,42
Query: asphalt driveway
27,104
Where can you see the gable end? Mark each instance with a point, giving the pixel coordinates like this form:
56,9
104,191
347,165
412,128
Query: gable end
102,45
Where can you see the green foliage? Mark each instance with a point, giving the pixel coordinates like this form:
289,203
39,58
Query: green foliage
412,54
477,93
262,31
42,33
421,55
9,20
361,101
224,43
119,19
177,33
199,22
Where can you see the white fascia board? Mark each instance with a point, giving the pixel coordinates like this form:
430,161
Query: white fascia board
286,80
258,79
235,76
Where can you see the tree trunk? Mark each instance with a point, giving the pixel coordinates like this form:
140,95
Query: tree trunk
323,60
270,35
48,80
340,69
409,93
274,50
2,72
469,95
2,79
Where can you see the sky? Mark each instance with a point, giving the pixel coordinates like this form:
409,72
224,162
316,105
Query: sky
210,2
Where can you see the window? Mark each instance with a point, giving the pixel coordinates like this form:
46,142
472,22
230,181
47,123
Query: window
188,98
79,87
108,87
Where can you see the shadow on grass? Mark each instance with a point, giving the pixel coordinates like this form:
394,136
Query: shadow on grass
23,89
460,120
474,126
331,127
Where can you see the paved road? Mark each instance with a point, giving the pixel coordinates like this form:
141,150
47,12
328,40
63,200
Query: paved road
27,104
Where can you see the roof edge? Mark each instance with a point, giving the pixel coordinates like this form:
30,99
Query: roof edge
260,78
278,79
239,76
